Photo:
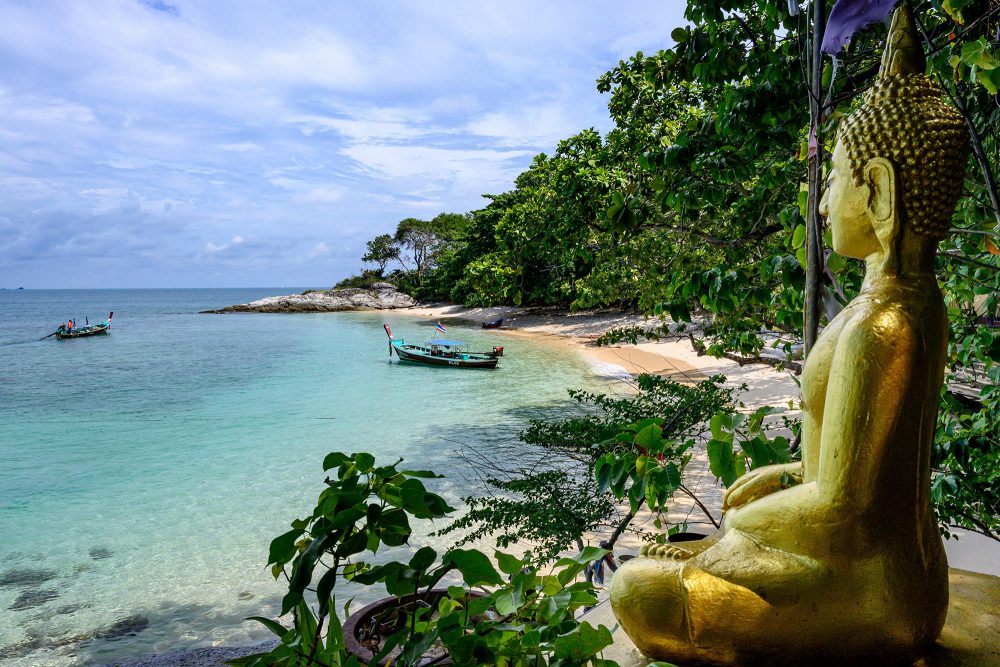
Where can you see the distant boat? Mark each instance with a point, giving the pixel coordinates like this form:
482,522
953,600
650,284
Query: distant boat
440,352
71,331
495,324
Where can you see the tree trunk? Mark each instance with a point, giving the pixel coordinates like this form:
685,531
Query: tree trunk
814,228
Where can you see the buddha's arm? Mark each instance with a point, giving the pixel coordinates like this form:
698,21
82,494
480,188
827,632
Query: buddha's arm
760,482
872,375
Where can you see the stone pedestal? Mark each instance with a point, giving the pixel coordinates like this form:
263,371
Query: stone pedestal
971,635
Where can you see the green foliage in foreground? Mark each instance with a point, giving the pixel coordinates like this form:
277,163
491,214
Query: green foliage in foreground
558,490
521,616
518,615
756,448
965,487
641,468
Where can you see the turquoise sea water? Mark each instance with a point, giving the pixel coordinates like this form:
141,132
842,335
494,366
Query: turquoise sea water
143,473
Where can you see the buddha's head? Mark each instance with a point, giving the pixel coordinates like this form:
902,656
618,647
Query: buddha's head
899,163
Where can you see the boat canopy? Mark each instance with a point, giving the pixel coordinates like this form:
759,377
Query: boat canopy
445,343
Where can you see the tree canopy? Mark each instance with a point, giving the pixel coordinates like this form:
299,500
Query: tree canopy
381,250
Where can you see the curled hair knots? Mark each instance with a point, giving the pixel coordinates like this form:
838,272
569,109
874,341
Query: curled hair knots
905,120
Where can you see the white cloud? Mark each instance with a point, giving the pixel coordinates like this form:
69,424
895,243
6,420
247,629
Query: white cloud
213,249
242,147
542,125
321,249
439,164
167,125
322,195
50,112
358,129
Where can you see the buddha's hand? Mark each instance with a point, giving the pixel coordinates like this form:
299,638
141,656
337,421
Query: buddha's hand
667,551
761,482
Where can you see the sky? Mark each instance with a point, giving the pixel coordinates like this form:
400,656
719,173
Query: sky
241,143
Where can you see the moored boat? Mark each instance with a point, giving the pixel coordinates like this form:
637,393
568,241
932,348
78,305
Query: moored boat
495,324
70,330
442,352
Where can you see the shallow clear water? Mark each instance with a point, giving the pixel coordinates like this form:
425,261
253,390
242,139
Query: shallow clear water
143,473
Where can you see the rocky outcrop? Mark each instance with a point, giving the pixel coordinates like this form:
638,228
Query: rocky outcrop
381,296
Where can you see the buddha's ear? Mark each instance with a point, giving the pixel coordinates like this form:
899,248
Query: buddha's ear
880,175
883,199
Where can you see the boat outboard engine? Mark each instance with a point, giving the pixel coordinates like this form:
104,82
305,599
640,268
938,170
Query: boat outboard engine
497,351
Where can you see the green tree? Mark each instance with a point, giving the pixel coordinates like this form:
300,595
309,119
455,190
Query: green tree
381,250
426,238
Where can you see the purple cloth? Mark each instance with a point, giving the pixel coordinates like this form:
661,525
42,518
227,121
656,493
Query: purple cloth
849,16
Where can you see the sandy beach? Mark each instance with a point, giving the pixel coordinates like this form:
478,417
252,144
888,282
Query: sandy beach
676,358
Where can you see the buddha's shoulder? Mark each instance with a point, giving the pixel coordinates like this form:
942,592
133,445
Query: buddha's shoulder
880,321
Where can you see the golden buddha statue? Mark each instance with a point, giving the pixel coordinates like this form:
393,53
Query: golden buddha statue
838,559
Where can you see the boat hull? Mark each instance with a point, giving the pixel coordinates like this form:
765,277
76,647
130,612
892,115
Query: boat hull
83,332
420,356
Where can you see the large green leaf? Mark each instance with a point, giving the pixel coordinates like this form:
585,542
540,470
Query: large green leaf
301,575
334,460
394,527
508,564
423,559
799,236
364,461
354,544
720,458
507,603
979,53
555,607
347,516
416,646
414,498
955,7
582,642
283,547
571,566
475,566
649,437
324,591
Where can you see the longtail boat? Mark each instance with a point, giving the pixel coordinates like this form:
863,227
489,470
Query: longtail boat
440,352
495,324
70,330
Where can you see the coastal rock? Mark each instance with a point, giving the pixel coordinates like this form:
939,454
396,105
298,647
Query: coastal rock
213,656
100,553
381,296
32,598
26,577
124,627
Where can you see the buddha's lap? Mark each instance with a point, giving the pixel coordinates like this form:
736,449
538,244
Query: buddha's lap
739,586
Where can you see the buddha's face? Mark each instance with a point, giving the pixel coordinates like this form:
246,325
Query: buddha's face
845,206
